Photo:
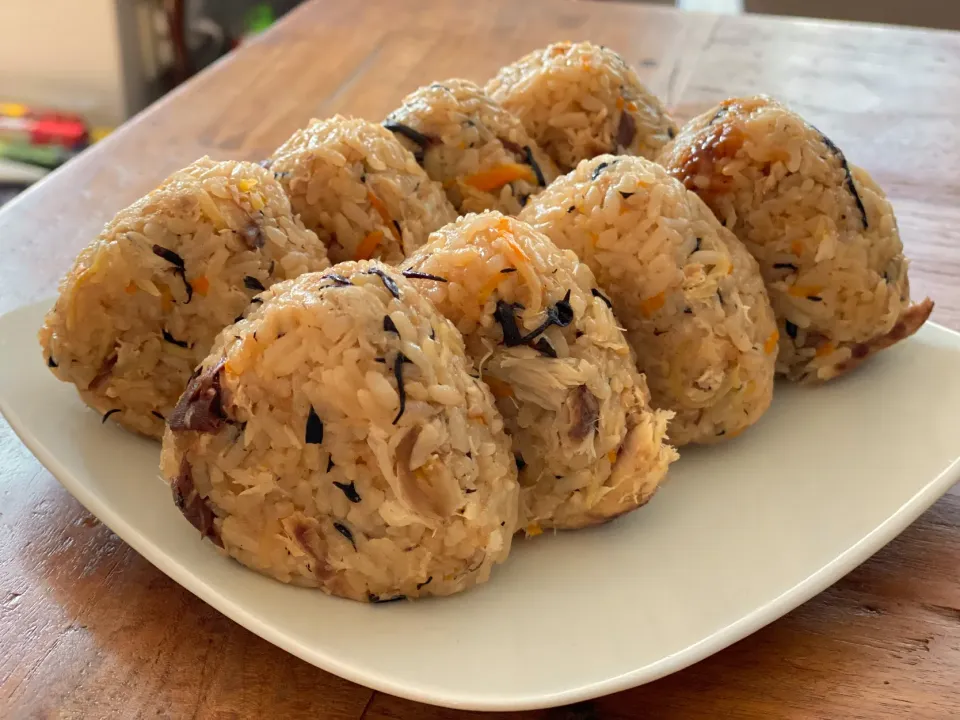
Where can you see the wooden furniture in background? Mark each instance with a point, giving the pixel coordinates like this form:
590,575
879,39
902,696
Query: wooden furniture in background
88,629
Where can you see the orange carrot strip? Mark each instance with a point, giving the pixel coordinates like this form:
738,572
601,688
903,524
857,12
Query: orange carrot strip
201,285
368,245
497,177
649,306
771,344
384,214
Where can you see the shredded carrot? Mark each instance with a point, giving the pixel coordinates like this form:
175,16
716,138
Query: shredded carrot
650,305
384,214
131,288
594,239
796,247
498,387
367,246
201,285
619,103
804,290
534,529
730,269
734,433
503,225
497,177
612,456
825,349
632,106
492,283
771,344
166,298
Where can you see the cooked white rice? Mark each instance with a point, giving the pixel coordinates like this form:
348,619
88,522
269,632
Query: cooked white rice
360,190
541,334
580,100
335,438
145,300
822,230
688,293
476,149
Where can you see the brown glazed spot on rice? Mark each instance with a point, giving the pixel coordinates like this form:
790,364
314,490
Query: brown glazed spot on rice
144,301
324,467
560,368
822,231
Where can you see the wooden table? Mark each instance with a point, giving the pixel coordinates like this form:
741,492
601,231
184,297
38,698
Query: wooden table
89,629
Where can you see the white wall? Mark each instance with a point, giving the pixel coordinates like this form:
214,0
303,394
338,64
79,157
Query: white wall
63,54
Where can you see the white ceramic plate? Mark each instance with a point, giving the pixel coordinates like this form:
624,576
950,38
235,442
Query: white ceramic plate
741,534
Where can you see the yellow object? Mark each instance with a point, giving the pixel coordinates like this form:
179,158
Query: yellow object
649,306
771,344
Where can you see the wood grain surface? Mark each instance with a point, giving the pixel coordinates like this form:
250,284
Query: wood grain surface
88,629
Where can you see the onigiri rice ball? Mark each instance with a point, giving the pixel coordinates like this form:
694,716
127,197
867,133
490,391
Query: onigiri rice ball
580,100
144,301
336,439
359,189
687,291
541,333
823,231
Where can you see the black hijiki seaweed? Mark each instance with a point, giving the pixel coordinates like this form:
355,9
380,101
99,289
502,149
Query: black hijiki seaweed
508,323
626,195
338,280
597,294
377,600
599,169
345,531
415,275
528,153
251,283
350,490
506,271
543,346
791,329
560,315
425,582
314,431
814,298
388,282
698,245
169,255
401,390
720,113
521,463
157,415
173,341
330,463
421,140
108,413
51,362
389,326
849,176
179,268
784,266
671,133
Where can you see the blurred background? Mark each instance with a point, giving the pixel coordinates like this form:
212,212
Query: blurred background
72,70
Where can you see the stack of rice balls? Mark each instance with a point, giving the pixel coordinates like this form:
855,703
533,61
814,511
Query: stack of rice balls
381,353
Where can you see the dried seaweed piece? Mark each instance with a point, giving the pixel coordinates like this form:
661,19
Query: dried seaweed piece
349,489
389,326
544,347
107,414
345,531
106,367
586,413
401,390
597,294
784,266
313,434
157,415
422,141
416,275
597,170
173,341
169,255
849,176
503,314
531,161
388,282
338,280
791,329
377,600
251,283
626,130
424,583
51,363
